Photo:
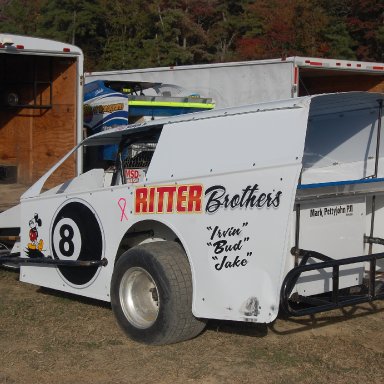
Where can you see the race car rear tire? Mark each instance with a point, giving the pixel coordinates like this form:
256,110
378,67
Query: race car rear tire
151,294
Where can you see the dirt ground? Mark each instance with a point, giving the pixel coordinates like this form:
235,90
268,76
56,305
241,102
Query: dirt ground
51,337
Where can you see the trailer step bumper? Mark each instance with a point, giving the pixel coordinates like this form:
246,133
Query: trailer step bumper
298,305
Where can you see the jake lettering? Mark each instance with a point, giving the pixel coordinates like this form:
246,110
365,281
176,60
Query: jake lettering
231,264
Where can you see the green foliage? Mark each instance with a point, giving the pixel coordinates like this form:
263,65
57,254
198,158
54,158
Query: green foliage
339,42
117,34
365,23
78,22
228,26
20,17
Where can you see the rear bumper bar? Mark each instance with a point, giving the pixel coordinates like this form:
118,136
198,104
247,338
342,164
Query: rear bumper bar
335,299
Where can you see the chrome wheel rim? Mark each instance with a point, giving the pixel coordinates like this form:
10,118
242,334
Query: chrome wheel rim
139,297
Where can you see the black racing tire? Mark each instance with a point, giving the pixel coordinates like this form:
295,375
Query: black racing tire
151,294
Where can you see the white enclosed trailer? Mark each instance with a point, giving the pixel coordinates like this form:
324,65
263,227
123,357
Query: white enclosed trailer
40,107
41,119
242,83
237,213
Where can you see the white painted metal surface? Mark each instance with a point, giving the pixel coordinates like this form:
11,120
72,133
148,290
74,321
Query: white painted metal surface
333,227
225,83
10,218
341,139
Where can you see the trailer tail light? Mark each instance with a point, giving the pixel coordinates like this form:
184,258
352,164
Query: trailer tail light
19,46
378,68
296,75
66,50
314,63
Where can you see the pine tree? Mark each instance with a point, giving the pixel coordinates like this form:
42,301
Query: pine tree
365,23
76,22
20,17
339,42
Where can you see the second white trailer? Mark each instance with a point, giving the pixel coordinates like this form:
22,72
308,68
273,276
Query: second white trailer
241,83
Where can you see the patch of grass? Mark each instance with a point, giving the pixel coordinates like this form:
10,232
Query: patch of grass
274,356
114,342
45,335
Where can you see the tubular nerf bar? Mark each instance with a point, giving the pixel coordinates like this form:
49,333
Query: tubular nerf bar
316,304
15,258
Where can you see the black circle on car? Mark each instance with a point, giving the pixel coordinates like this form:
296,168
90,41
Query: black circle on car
76,235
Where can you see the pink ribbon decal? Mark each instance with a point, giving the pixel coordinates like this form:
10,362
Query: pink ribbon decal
122,203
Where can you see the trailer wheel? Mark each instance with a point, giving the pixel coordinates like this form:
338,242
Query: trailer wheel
151,294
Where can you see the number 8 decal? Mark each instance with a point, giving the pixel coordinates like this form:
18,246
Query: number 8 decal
66,239
76,235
